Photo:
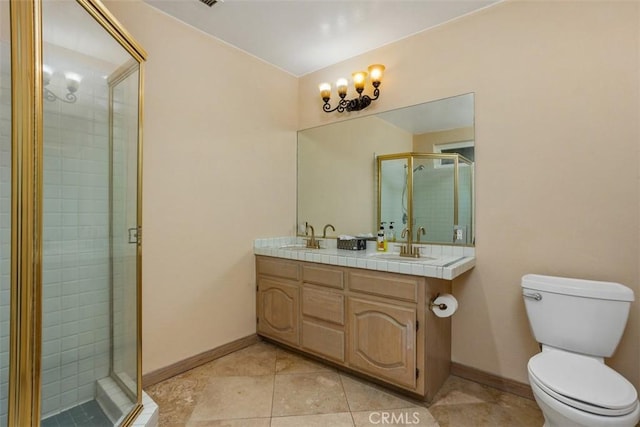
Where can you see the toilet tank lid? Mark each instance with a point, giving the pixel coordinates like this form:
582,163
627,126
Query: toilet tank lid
577,287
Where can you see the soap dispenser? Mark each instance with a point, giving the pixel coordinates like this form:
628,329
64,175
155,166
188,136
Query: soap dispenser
382,239
391,234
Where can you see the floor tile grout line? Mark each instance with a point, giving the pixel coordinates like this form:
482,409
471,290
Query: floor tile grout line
273,389
353,421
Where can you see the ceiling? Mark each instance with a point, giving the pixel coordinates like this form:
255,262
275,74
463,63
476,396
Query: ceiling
302,36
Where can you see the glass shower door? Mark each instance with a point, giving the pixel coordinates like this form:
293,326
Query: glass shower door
90,275
393,206
124,232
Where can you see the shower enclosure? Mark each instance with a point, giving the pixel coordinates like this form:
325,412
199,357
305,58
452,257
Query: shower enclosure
428,193
70,218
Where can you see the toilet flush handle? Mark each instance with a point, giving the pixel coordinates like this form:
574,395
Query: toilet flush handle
536,296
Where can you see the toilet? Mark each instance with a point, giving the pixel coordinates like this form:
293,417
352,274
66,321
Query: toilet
578,323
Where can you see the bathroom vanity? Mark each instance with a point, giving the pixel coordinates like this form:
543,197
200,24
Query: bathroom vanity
367,312
342,307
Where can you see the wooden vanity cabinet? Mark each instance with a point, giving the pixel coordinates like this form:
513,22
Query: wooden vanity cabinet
278,300
383,341
371,322
383,318
323,312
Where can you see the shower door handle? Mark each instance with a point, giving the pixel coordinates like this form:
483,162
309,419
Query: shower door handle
134,235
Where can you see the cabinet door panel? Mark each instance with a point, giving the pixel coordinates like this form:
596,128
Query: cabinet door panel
278,310
324,305
383,340
323,276
396,286
277,268
323,340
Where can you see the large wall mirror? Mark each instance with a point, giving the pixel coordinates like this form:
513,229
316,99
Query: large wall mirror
337,173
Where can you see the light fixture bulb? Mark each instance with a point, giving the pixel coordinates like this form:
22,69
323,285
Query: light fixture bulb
358,80
73,81
341,86
325,90
376,71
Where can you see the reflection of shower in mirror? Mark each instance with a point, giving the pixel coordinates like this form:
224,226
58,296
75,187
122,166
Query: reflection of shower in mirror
403,200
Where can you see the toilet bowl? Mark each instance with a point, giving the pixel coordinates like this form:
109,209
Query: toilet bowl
576,390
578,323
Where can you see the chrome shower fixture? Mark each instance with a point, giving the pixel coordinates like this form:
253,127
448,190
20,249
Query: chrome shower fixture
416,169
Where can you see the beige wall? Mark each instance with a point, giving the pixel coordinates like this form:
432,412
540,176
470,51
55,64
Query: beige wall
219,171
557,110
329,157
424,142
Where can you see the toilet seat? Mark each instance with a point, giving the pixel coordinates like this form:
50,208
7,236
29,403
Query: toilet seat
583,383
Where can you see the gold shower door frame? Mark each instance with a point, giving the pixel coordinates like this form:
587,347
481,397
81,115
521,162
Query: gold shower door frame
24,389
456,159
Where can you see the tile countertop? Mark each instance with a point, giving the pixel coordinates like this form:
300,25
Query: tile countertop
444,262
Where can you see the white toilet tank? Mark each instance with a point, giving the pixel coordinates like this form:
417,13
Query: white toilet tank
582,316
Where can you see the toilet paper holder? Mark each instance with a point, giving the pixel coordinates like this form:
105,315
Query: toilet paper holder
440,306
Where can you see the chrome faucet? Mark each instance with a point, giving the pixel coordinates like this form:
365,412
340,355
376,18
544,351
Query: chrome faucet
324,231
312,242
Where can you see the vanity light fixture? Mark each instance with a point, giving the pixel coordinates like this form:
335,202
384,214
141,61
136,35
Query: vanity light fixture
355,104
72,81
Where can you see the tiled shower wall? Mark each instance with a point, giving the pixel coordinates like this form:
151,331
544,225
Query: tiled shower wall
5,224
433,200
75,247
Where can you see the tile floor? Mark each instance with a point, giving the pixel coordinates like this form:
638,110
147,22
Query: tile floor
266,386
88,414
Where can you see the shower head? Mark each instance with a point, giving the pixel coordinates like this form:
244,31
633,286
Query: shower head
416,169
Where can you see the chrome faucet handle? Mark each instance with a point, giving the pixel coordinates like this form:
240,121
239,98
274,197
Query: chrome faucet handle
324,231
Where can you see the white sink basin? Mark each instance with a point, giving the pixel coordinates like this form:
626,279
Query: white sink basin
388,256
296,247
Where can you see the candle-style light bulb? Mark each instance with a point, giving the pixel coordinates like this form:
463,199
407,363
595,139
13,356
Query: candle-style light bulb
73,81
325,91
341,86
358,80
376,71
